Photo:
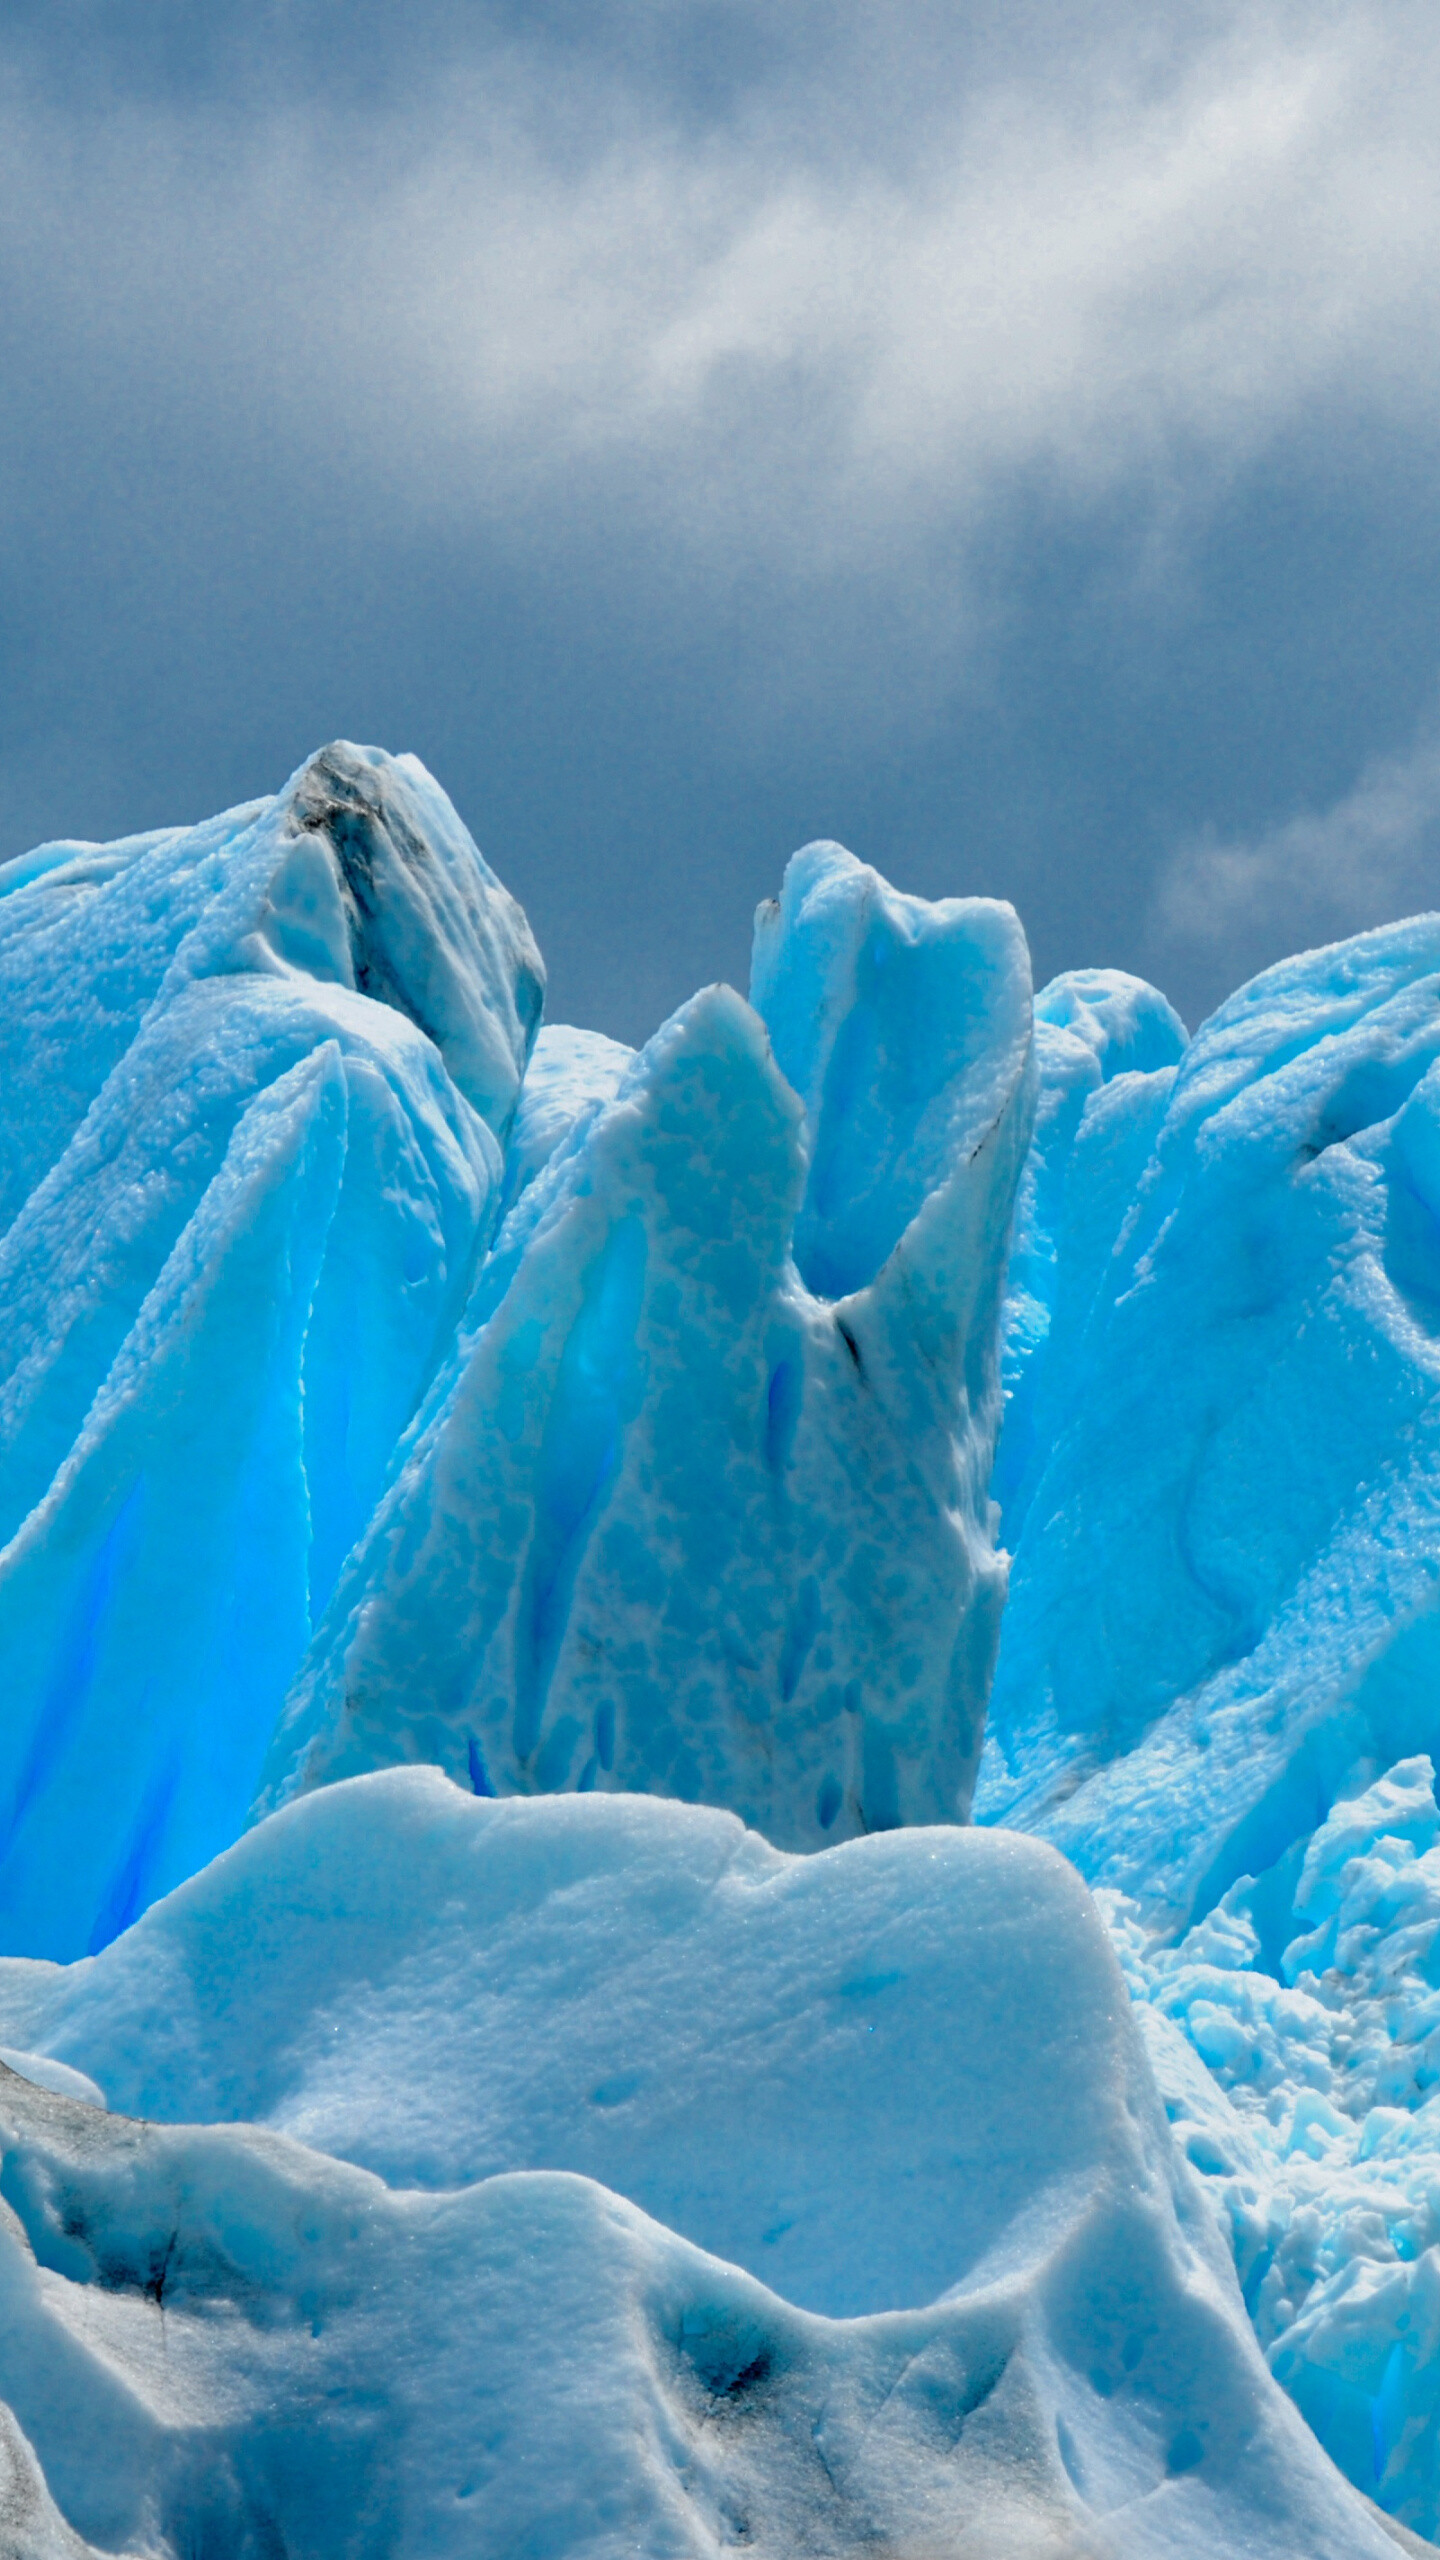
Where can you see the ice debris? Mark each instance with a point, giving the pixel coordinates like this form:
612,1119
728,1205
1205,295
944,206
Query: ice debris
725,2166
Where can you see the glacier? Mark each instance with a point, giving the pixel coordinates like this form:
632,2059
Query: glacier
751,1721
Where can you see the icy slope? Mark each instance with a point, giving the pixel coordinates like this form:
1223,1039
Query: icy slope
1222,1629
1223,1606
672,1520
257,1079
1039,2350
1093,1028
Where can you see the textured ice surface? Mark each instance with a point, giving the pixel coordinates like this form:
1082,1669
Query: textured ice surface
680,1514
571,1075
1010,2332
1223,1605
1092,1026
1296,2035
1223,1627
257,1075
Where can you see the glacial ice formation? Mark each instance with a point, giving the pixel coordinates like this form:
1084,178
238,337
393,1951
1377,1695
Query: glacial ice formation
1223,1605
1306,2093
1092,1027
258,1076
388,1379
671,1518
663,1518
577,2213
1222,1633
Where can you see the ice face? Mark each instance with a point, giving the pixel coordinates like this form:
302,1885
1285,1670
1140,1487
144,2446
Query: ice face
891,2298
673,1520
1222,1608
1222,1626
260,1072
1296,2037
1093,1027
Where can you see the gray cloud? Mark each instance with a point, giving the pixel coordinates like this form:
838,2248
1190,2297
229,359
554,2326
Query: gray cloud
753,339
879,391
1372,856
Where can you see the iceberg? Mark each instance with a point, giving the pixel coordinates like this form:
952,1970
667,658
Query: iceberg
606,2089
699,1503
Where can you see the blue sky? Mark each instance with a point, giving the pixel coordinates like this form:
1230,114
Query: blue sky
1004,438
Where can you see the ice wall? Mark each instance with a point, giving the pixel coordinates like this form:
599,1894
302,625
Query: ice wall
258,1075
1093,1027
699,1504
1223,1604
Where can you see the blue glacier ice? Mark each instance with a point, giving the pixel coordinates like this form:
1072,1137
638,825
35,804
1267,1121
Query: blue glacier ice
542,1487
1093,1027
699,1502
1217,1688
573,2211
1307,2097
258,1078
1223,1605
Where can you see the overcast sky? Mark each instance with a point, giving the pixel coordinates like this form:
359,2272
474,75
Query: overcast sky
1003,437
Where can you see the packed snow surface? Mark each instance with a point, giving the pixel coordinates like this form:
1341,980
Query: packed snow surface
616,2183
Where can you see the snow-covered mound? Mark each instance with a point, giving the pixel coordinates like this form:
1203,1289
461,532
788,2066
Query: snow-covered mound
901,2081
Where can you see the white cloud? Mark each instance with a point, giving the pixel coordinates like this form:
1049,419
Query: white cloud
1371,857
